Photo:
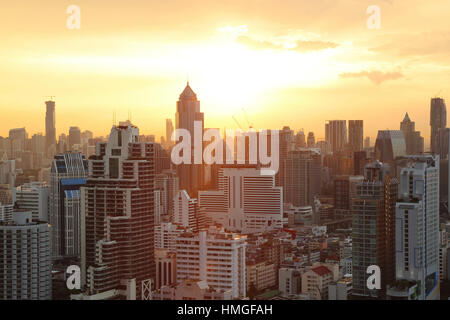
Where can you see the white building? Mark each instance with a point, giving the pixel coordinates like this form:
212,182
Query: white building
33,197
25,259
166,234
289,280
213,256
417,225
6,212
246,201
185,210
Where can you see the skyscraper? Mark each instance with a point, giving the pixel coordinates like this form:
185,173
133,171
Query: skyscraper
68,172
302,177
373,230
169,131
74,137
417,242
389,145
336,134
355,134
50,130
287,143
413,140
117,216
438,120
188,112
311,141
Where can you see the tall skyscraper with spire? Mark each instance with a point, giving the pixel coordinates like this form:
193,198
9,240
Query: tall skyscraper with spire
50,130
413,140
188,111
438,120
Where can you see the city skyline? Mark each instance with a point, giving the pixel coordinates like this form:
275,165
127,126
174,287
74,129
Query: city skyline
127,59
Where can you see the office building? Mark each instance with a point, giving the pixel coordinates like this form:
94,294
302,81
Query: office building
414,142
355,134
302,177
373,229
438,120
68,172
336,134
389,145
417,240
50,129
188,112
74,138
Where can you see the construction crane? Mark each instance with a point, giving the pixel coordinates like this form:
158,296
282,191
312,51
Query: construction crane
437,94
237,122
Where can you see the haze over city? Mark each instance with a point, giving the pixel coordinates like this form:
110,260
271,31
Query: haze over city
298,64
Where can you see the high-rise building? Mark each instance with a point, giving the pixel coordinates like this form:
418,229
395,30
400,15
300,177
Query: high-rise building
414,142
188,113
168,185
438,120
68,173
367,143
25,263
417,240
287,143
300,139
74,137
50,130
34,197
355,134
336,134
197,259
246,201
373,229
311,141
389,145
303,177
117,216
18,138
345,190
359,162
169,131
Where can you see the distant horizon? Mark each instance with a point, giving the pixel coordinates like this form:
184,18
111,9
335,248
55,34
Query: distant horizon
296,64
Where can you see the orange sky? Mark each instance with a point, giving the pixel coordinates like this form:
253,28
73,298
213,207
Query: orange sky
288,62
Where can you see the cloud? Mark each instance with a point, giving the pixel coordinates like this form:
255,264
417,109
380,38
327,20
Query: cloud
376,77
305,46
300,45
257,44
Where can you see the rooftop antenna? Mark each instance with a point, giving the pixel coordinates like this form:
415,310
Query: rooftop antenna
50,97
